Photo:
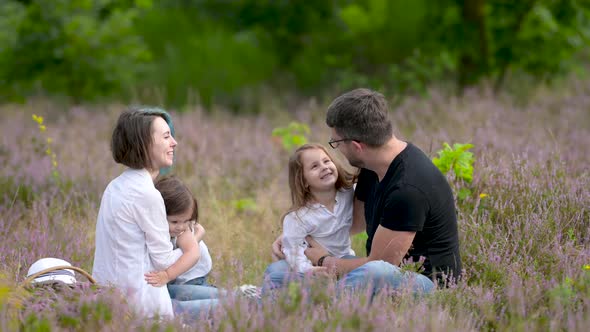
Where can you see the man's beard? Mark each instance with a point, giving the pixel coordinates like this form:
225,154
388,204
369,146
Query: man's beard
353,161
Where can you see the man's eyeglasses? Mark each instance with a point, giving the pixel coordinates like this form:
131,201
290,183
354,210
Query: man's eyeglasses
334,144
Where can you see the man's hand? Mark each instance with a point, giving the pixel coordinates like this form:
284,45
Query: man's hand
321,271
157,278
315,250
277,246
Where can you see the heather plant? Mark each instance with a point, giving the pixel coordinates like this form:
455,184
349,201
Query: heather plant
523,232
80,307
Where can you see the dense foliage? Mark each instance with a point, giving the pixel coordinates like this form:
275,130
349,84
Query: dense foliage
186,51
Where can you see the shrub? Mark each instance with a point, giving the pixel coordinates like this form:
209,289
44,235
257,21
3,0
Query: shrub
79,49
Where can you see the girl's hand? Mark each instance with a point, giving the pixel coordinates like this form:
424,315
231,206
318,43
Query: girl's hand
199,232
157,278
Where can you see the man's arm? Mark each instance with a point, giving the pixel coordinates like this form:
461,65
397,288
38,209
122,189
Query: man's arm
390,246
333,264
404,209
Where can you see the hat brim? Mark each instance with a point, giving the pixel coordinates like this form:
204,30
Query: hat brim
53,279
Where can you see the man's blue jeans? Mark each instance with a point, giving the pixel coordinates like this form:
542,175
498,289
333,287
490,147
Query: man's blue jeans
377,275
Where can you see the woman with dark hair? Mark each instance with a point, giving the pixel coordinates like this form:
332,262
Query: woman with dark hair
132,230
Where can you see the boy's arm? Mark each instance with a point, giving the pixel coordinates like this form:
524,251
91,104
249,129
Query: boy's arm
190,256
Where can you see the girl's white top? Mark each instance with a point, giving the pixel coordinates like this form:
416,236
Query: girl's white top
201,269
132,239
330,229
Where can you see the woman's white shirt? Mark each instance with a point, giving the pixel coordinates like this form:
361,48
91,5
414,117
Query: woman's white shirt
330,229
132,238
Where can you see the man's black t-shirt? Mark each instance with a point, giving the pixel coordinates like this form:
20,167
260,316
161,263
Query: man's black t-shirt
414,196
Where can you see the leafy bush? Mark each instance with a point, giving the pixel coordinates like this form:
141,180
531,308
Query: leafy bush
292,136
460,161
212,52
192,52
80,49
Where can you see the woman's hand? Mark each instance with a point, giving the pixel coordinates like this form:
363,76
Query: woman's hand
277,246
157,278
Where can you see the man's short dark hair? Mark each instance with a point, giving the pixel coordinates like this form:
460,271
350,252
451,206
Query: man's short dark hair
132,138
361,115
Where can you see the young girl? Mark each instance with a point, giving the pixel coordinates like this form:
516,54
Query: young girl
322,197
182,215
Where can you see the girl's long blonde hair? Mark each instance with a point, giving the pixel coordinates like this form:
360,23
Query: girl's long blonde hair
300,193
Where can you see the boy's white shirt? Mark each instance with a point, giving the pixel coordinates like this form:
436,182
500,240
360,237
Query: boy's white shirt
200,269
330,229
132,239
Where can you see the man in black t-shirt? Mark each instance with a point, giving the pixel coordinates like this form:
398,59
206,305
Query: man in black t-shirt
414,197
409,209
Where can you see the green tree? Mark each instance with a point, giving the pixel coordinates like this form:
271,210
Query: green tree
81,49
488,38
192,52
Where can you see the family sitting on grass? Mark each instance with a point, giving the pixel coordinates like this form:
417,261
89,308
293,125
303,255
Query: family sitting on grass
148,235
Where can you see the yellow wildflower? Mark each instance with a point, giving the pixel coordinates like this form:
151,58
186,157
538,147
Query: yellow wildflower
483,195
48,152
54,163
586,267
42,128
49,140
38,119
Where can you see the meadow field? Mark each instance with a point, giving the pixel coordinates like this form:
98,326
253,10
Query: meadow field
524,230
